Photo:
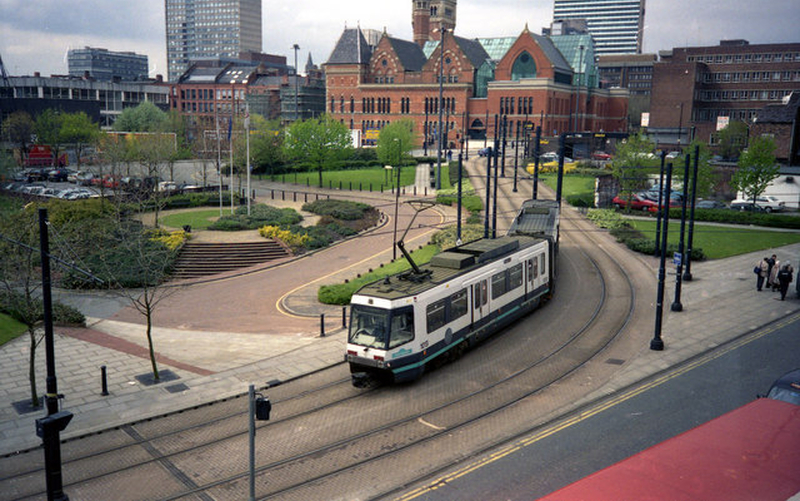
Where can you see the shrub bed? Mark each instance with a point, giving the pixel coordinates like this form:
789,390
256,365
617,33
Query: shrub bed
631,237
11,302
260,215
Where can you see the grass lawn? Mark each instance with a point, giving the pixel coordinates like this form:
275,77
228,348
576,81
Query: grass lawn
720,242
198,219
9,329
376,176
572,185
341,293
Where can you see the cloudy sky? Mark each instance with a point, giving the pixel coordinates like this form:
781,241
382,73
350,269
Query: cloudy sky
36,34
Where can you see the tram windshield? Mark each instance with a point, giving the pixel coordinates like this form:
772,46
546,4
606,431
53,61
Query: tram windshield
382,329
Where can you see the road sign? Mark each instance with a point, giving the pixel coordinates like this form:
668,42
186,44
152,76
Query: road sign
677,258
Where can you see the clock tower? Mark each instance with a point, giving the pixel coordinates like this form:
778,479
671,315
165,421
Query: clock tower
430,16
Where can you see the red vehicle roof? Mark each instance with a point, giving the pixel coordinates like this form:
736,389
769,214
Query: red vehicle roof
751,453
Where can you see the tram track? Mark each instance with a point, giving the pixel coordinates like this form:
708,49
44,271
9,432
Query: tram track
309,456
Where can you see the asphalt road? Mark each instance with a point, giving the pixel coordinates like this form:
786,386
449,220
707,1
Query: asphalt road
725,379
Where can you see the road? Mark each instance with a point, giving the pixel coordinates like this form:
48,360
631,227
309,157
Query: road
689,395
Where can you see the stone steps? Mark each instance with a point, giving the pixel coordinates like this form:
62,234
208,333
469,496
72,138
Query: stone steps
198,259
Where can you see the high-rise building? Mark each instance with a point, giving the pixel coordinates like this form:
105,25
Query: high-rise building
430,16
615,25
207,29
105,65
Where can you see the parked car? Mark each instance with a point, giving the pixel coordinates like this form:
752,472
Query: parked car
58,175
786,388
710,204
85,178
764,203
601,155
637,202
484,151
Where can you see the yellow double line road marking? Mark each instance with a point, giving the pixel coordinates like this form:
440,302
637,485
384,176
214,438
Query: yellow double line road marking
581,416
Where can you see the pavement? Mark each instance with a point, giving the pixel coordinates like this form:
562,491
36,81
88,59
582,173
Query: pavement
720,304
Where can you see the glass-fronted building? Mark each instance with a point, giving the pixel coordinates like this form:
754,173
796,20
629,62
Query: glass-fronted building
615,25
106,65
208,29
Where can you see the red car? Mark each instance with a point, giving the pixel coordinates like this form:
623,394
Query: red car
601,155
638,202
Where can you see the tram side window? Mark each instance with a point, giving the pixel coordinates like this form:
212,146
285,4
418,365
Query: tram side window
480,295
402,327
498,284
458,304
515,277
436,315
536,267
529,266
541,263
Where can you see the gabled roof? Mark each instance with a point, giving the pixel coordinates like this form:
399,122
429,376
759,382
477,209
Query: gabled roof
473,49
352,48
497,48
411,56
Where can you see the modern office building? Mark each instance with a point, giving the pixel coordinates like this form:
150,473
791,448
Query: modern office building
615,25
103,102
105,65
207,29
699,89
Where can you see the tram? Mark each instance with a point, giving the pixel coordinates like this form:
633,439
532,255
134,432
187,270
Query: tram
403,323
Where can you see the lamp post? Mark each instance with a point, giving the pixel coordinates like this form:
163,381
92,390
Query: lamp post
296,103
578,93
230,136
397,197
439,131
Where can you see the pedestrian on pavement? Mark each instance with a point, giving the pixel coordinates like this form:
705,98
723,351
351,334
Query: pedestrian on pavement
770,266
784,279
761,270
772,280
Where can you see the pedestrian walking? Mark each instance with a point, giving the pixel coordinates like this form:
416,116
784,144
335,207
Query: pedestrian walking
761,270
772,279
784,279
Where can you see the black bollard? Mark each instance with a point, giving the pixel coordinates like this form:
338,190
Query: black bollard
103,380
344,317
321,325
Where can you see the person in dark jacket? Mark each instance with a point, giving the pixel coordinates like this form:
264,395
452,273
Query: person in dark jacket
784,279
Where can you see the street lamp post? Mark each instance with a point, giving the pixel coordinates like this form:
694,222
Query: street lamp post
296,103
578,93
397,196
439,131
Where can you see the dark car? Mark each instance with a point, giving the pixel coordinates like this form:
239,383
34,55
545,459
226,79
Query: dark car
58,175
786,388
710,204
484,152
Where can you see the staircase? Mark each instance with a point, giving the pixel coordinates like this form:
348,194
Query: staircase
199,259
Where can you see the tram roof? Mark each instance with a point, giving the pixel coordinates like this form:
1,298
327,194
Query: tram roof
447,265
536,217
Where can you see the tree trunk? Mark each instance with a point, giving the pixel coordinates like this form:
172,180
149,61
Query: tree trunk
320,175
149,317
32,370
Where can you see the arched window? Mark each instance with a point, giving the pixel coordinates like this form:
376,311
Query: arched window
524,67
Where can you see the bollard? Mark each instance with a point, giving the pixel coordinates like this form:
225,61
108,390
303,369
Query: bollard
294,196
283,194
103,380
321,325
344,317
273,194
317,196
305,197
415,190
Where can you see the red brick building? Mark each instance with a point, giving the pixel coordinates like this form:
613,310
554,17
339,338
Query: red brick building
523,77
695,86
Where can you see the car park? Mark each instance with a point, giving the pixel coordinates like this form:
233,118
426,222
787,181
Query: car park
786,388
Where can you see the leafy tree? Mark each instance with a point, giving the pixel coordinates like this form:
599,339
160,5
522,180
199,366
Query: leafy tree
757,168
146,117
633,163
78,129
266,145
7,164
319,142
395,141
47,128
18,129
732,140
706,178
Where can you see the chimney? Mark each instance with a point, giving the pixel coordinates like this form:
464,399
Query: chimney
37,74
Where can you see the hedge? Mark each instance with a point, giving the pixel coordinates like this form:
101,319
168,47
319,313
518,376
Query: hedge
62,314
